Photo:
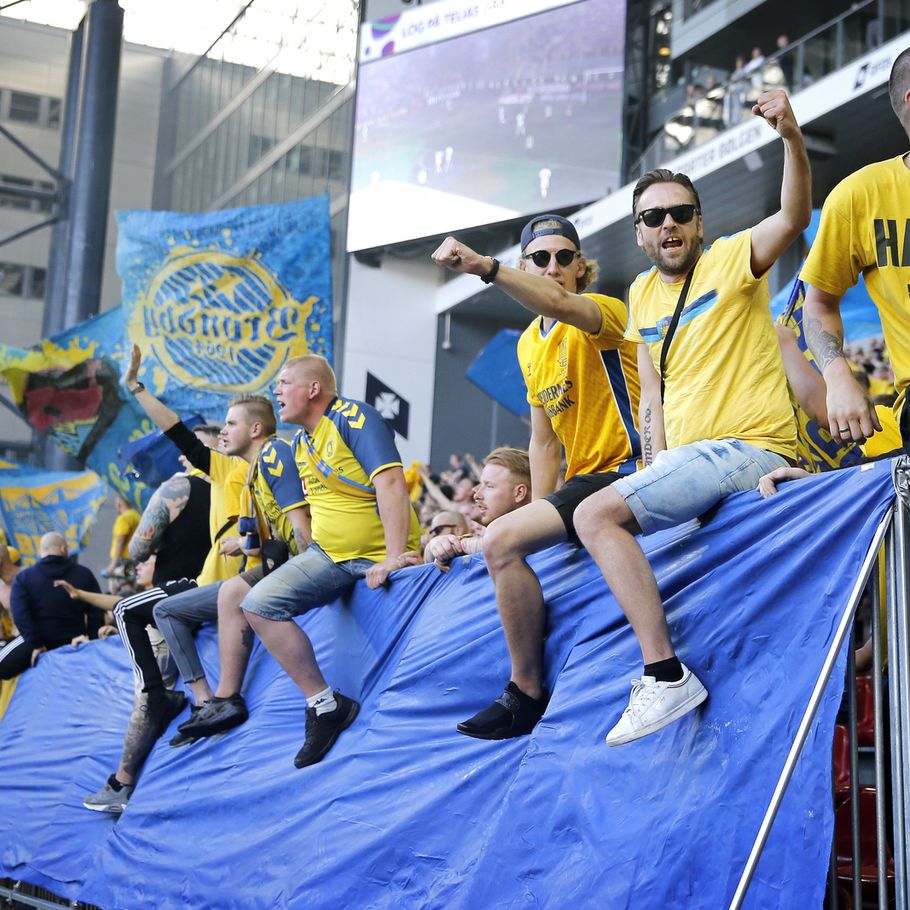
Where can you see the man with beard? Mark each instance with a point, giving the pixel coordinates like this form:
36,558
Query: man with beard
715,415
582,386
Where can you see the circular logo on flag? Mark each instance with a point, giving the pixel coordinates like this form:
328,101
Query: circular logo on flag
219,321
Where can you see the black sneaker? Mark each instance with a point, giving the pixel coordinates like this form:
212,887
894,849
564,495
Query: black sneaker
216,716
163,706
512,714
186,739
323,729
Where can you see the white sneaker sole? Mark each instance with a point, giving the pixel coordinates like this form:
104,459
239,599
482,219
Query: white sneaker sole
692,702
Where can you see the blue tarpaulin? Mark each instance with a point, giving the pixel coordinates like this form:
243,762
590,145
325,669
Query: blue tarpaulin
404,812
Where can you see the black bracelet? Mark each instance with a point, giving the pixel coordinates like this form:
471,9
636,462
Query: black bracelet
488,278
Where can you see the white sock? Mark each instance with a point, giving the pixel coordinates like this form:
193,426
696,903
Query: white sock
323,701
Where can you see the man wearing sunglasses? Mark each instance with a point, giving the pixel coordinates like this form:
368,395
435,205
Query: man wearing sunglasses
583,390
716,420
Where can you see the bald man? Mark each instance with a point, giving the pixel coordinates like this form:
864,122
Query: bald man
44,614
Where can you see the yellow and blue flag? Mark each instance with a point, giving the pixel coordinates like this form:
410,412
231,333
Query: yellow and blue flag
34,502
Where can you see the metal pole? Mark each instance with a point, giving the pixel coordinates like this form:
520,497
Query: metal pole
899,662
854,774
878,712
897,775
90,197
56,265
808,716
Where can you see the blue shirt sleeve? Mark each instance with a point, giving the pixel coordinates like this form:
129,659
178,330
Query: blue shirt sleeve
366,434
277,466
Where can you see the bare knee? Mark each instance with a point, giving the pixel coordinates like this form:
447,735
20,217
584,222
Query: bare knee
231,594
502,544
604,510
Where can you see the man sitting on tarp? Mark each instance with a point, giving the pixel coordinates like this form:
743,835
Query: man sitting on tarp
504,486
362,524
44,614
269,480
583,391
170,545
712,375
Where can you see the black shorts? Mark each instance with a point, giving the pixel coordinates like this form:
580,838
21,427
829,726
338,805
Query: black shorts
575,490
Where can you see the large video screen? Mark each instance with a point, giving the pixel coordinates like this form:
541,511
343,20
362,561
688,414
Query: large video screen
475,113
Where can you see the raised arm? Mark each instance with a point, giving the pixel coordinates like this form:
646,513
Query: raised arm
773,235
198,454
650,409
851,413
537,293
161,415
545,454
167,502
394,506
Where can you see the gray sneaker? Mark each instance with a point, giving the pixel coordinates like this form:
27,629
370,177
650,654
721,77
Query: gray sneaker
109,800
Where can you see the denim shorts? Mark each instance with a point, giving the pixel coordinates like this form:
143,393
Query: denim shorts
304,582
685,482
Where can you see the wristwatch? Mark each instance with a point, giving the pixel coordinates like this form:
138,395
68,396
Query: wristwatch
136,389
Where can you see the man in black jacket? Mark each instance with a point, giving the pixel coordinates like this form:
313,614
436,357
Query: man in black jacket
44,614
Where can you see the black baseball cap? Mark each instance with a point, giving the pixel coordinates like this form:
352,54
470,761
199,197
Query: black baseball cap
552,224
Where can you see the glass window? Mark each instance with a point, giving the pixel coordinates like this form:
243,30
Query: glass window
38,283
24,107
12,278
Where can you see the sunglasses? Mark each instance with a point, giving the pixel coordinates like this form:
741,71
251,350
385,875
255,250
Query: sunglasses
681,214
541,258
435,532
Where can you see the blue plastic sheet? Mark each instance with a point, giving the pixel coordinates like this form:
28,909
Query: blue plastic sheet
404,812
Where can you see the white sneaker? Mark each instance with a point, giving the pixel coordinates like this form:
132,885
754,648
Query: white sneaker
654,704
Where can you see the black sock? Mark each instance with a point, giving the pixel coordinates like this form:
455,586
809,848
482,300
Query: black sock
669,670
115,784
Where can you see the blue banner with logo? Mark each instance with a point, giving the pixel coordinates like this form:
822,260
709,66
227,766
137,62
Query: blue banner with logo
34,502
219,301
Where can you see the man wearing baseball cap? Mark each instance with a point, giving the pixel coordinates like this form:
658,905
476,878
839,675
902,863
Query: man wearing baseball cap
582,383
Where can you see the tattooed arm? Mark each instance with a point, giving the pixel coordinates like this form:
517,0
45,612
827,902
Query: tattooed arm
650,409
167,502
851,413
300,521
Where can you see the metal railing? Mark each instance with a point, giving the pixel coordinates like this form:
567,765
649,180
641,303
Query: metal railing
891,541
825,49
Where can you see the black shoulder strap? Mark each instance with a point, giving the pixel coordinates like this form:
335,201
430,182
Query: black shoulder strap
671,329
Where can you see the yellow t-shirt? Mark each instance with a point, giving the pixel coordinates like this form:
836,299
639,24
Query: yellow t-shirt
228,475
588,386
352,443
278,490
865,228
125,525
724,375
888,438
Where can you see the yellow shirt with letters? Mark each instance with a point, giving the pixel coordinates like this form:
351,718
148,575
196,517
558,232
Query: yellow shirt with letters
724,376
588,386
865,229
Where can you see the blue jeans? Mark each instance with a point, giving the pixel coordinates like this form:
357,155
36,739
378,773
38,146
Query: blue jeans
178,617
685,482
302,583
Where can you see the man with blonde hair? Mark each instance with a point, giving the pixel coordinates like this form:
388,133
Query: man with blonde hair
362,524
505,485
583,390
